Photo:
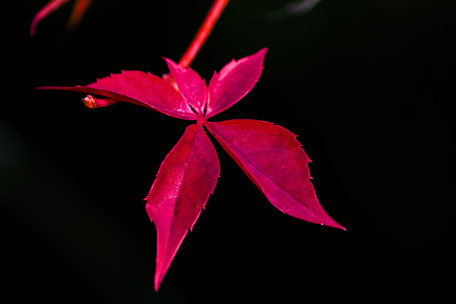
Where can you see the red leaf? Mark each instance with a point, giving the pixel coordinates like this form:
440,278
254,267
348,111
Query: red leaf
139,88
233,82
190,84
186,178
270,155
274,160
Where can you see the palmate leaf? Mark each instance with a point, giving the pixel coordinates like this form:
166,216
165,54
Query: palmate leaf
269,154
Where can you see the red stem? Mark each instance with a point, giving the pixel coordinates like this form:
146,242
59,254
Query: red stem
203,32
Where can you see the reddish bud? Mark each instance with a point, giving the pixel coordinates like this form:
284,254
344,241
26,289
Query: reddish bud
91,102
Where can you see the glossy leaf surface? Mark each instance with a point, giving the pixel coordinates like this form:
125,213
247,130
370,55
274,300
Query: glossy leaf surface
181,189
233,82
274,160
139,88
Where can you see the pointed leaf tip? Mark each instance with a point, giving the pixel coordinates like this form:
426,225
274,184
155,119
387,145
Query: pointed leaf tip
274,160
184,182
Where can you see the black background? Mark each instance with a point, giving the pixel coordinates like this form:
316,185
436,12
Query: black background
365,84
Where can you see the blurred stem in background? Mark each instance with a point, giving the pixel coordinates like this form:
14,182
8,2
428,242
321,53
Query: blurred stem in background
79,9
81,6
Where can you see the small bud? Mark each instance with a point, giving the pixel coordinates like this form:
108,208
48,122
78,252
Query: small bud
91,102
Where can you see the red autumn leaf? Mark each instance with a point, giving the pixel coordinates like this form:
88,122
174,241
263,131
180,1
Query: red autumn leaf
139,88
186,178
275,162
80,7
233,82
270,155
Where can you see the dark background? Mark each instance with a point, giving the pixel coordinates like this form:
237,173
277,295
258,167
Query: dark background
365,84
